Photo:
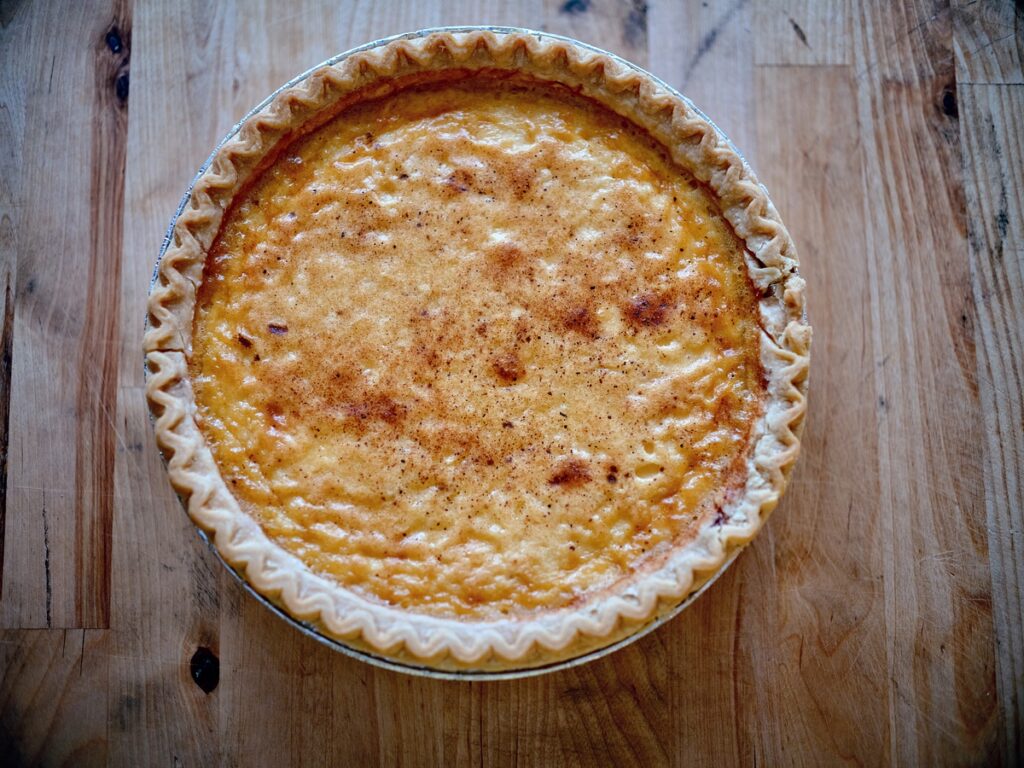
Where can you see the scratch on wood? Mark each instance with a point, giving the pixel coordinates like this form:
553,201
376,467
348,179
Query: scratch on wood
990,44
6,355
800,35
710,38
1002,215
634,26
46,567
734,671
573,7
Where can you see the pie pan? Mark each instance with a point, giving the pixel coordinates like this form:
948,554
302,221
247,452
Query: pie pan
796,337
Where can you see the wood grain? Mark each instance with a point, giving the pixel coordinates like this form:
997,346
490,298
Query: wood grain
12,127
48,700
59,502
989,41
994,180
937,586
96,400
879,617
829,617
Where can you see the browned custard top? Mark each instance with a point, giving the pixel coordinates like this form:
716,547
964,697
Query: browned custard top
477,349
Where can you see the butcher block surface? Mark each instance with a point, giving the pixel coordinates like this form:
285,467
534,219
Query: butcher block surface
877,619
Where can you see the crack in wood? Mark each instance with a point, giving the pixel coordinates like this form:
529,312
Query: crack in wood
6,359
46,568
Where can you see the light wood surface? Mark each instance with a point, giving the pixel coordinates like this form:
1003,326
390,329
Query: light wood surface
878,619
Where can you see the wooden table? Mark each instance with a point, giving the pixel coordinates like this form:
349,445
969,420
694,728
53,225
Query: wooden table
877,619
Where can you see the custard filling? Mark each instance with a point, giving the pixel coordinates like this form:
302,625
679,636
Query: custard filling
478,349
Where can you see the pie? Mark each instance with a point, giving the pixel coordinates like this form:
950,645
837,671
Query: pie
478,351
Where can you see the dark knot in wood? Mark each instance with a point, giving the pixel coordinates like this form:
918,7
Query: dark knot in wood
205,669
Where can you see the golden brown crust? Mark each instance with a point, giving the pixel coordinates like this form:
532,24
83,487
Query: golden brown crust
445,643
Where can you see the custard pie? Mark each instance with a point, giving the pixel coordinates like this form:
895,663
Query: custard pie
478,351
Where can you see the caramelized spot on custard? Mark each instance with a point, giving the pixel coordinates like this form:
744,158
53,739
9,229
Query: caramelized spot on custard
508,352
376,407
506,256
460,181
648,310
570,472
508,367
581,319
275,414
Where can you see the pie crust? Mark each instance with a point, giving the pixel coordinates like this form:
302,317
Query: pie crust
488,644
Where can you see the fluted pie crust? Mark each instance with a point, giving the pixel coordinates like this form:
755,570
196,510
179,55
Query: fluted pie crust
403,593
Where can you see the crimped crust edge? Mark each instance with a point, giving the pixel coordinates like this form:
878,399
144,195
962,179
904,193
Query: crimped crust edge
445,643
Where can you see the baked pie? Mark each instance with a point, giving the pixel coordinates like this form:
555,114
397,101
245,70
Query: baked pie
478,351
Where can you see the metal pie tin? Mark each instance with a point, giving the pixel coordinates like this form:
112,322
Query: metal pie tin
308,628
